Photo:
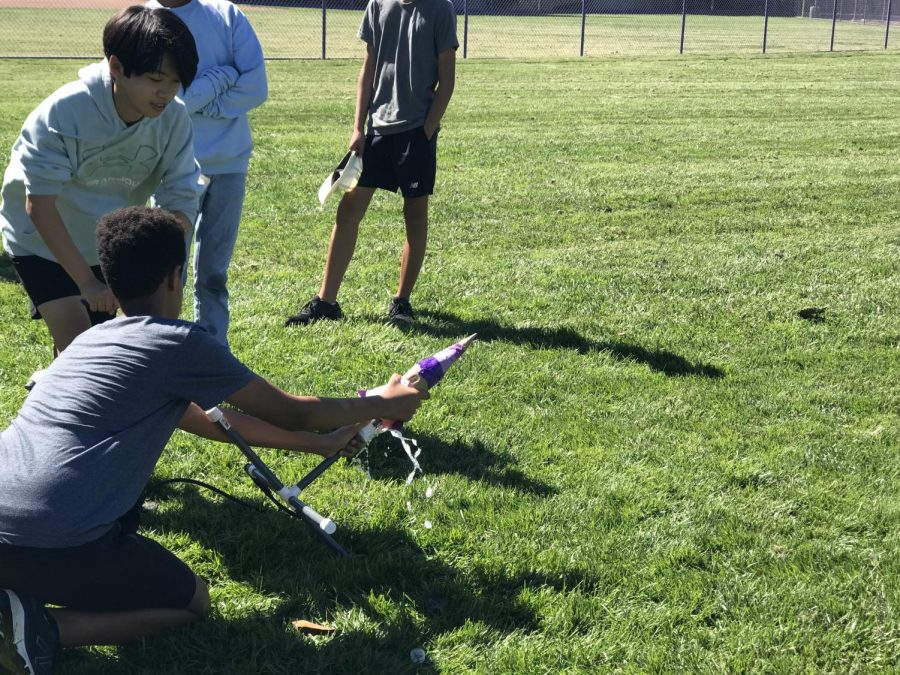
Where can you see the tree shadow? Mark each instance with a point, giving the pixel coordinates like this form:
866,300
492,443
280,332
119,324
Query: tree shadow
443,324
473,460
402,596
262,645
7,271
265,644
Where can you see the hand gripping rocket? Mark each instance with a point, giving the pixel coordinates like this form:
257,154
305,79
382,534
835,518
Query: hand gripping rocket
423,376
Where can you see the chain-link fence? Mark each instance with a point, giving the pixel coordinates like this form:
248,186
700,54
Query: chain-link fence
311,29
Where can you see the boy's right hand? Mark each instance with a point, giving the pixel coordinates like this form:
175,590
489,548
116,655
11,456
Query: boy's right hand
357,142
403,400
98,296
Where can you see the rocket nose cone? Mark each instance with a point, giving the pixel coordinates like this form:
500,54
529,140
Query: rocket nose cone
465,342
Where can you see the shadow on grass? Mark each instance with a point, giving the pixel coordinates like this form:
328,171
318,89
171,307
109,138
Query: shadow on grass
443,324
7,271
474,461
397,596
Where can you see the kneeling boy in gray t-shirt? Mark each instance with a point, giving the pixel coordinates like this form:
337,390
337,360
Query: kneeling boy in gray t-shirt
86,440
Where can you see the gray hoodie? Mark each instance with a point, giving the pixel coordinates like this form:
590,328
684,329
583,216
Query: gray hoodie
75,146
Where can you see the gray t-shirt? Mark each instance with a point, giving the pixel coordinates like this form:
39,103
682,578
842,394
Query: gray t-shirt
407,38
88,436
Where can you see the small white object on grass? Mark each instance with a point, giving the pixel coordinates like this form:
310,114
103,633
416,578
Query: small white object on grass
427,524
417,655
429,492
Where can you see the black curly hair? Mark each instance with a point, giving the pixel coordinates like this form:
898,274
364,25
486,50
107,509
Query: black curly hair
139,37
138,247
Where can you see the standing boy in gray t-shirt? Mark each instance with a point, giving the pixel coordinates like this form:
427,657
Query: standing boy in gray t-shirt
404,87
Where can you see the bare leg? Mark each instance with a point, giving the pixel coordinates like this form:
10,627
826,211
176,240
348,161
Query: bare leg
343,240
66,319
79,629
415,214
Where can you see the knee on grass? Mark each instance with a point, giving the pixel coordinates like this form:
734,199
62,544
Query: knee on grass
199,605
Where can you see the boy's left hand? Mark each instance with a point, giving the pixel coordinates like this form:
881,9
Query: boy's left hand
345,441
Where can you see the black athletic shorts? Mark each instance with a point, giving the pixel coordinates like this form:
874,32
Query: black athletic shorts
118,571
406,160
45,280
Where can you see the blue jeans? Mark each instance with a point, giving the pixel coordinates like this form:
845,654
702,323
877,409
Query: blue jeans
216,232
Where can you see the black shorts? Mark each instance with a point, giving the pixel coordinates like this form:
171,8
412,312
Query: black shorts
45,280
119,571
406,160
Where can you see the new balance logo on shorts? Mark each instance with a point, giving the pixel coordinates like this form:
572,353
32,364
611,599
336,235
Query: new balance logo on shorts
413,186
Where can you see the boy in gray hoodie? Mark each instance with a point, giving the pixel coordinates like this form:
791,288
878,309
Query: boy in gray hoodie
111,139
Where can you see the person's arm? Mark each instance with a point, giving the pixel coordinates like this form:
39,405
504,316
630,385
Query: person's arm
257,432
251,88
264,400
446,84
46,160
49,224
365,85
179,188
208,85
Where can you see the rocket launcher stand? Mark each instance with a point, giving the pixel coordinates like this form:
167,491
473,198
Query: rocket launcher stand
267,481
428,372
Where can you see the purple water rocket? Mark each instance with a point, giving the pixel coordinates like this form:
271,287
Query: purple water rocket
423,376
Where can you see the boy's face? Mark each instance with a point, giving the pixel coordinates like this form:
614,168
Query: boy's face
145,95
174,292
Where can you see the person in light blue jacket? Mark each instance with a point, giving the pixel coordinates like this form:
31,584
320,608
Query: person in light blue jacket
231,81
109,140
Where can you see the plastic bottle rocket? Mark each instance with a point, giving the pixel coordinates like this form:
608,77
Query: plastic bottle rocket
423,376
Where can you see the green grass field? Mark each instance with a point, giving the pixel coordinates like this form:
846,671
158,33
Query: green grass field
297,33
649,463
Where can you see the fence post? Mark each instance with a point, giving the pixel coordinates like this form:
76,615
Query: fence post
466,28
833,22
683,18
765,24
887,25
323,29
583,12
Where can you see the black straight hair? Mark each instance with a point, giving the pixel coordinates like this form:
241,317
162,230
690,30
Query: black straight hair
138,246
139,37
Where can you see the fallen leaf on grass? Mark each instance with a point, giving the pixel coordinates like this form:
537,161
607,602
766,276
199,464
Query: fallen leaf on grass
310,628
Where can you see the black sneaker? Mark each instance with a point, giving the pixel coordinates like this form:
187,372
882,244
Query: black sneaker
400,311
29,639
314,310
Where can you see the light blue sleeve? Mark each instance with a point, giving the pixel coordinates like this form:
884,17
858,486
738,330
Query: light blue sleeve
179,186
207,86
43,154
252,85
